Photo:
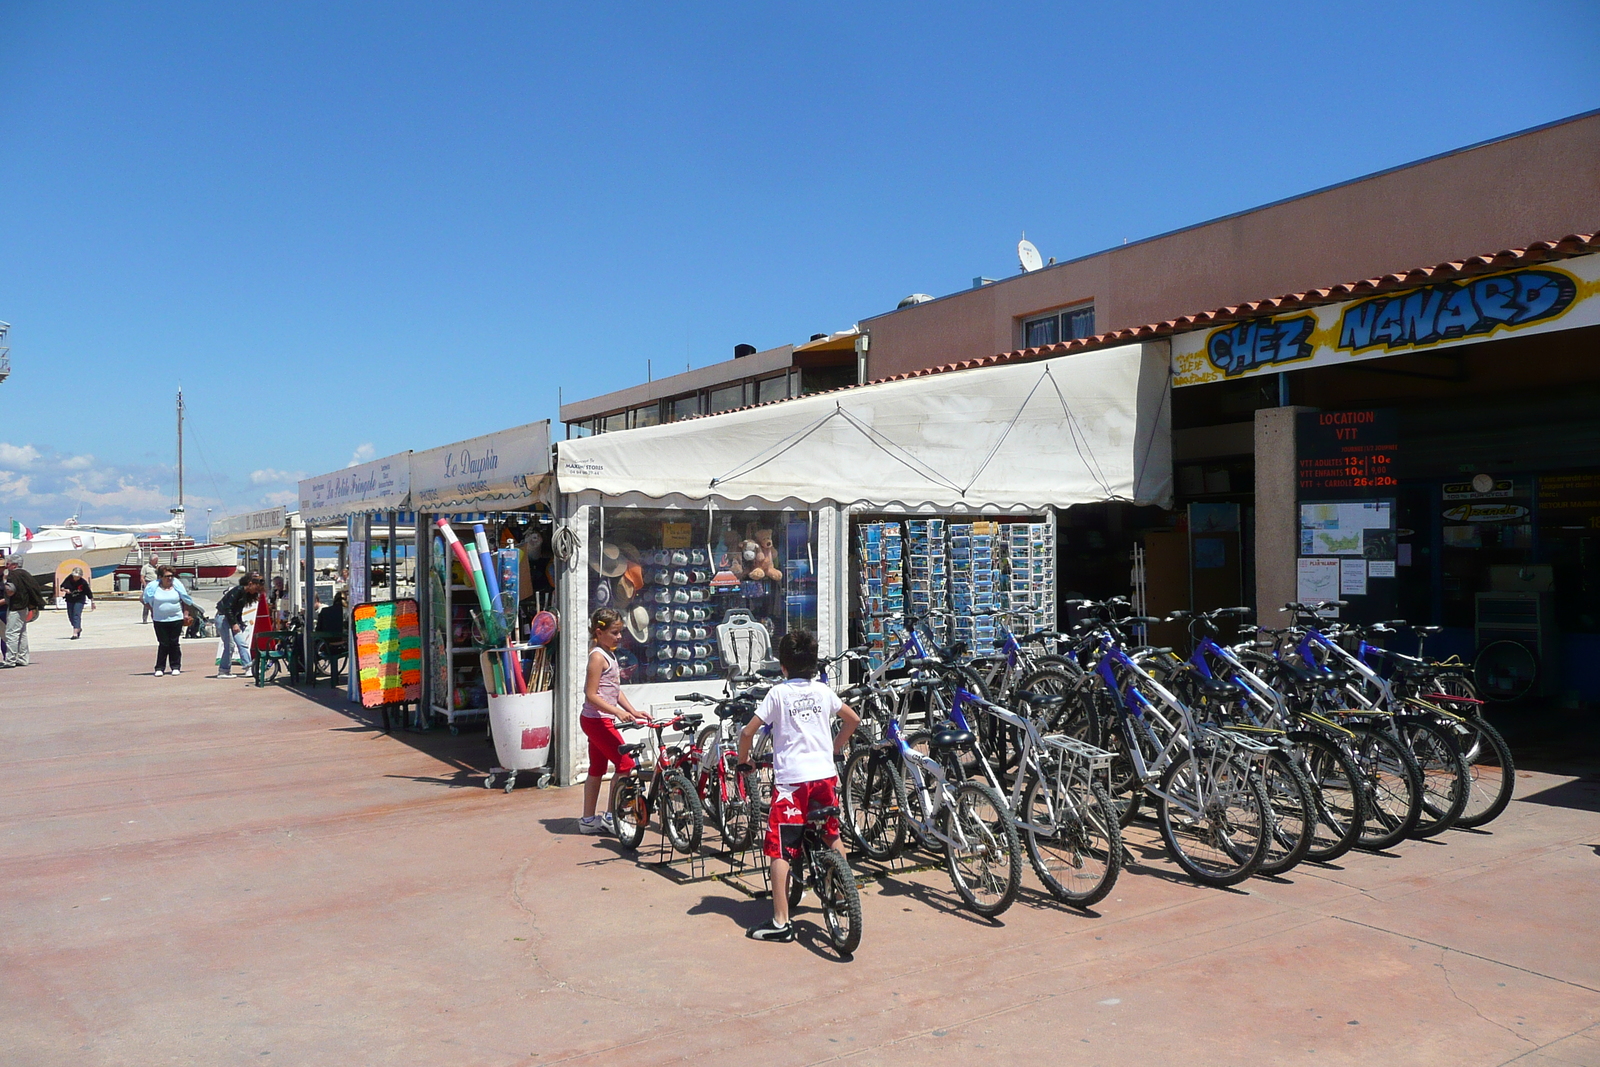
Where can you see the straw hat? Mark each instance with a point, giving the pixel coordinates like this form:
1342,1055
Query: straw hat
637,621
611,563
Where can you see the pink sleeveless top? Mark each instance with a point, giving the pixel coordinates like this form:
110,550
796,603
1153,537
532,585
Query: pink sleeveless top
610,688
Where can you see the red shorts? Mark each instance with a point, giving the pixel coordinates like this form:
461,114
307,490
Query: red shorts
789,806
604,740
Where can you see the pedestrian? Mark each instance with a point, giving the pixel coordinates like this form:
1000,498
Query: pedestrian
799,713
167,598
236,604
75,590
147,577
24,599
604,704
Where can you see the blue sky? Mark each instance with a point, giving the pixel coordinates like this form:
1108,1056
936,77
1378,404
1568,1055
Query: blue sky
354,229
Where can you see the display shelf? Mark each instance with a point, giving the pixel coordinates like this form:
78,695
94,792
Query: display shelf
458,691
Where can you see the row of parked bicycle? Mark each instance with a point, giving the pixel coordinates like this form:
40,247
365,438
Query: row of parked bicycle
1302,743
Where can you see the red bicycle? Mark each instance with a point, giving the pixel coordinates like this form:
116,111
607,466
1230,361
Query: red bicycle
725,794
667,790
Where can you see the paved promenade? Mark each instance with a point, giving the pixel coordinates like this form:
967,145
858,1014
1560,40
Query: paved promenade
194,871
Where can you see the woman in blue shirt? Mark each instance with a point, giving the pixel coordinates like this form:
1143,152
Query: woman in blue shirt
166,598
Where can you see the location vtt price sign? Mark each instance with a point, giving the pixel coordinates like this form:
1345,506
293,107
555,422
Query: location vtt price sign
1347,505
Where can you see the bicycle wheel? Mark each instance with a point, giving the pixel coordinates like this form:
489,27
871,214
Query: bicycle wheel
680,812
840,901
1453,682
914,812
758,782
870,804
1445,781
1072,717
629,811
1126,788
1292,806
987,870
734,819
1490,770
1391,785
1336,785
1073,840
797,882
1222,840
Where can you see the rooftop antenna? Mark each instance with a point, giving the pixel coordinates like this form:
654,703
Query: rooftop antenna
1028,256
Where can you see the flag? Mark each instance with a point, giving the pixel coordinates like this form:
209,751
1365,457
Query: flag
20,532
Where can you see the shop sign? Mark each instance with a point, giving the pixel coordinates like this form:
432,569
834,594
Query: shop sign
1346,452
500,469
251,526
1429,318
1486,513
1569,500
381,485
1495,489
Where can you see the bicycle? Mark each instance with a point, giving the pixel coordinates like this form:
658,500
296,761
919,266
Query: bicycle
668,790
821,869
724,793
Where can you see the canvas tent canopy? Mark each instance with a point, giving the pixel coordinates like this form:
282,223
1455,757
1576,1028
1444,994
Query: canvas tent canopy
495,472
1018,437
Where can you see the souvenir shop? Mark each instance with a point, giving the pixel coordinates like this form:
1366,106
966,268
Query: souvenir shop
498,484
839,512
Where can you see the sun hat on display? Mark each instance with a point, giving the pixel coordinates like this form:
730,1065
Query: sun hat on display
638,623
610,563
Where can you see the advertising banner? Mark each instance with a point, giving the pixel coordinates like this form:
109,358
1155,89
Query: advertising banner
381,485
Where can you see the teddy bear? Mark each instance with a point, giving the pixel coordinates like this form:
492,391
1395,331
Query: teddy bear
759,553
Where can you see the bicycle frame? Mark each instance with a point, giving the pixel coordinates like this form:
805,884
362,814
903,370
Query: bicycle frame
919,769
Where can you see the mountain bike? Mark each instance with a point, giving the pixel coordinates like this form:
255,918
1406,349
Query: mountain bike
667,790
821,869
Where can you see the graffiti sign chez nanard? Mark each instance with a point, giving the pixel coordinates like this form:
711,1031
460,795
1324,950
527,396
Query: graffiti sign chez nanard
1533,300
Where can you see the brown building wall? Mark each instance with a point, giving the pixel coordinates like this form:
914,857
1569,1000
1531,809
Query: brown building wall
1534,186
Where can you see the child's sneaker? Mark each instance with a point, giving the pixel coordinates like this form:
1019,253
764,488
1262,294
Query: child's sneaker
592,824
611,823
771,931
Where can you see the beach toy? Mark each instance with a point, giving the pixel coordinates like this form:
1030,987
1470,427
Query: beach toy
543,627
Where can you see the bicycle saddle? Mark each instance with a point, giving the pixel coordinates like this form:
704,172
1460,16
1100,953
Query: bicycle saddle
947,736
1217,689
1042,700
823,813
630,750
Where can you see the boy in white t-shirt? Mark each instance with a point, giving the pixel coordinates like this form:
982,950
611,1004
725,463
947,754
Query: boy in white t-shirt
800,712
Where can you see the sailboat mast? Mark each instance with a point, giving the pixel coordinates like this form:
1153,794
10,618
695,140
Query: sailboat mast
180,449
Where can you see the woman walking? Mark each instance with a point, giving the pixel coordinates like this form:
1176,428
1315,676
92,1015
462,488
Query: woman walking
75,589
166,597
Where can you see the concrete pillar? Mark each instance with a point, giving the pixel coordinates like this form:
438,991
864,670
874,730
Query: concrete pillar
1277,518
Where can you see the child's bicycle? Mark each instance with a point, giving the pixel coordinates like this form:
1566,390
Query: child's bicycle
668,789
726,795
825,872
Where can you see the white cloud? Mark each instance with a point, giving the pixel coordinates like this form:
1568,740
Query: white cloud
271,476
77,463
286,498
18,455
362,454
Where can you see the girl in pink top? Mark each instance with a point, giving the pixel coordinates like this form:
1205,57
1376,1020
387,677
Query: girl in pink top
604,705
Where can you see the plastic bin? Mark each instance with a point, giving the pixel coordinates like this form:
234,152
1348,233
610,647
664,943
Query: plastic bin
520,724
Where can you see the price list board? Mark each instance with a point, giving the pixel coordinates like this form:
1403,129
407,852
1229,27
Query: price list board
1347,453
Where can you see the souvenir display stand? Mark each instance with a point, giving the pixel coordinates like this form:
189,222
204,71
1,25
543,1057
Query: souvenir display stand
498,481
931,492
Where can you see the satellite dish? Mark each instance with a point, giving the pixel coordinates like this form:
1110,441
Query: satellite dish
1028,256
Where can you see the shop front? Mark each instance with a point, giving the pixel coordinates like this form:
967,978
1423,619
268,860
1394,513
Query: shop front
714,537
501,482
1434,454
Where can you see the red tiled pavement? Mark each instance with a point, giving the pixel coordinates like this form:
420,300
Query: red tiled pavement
193,871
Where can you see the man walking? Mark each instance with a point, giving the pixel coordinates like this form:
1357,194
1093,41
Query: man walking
147,575
24,600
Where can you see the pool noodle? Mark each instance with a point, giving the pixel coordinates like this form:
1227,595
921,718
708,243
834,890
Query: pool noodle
470,562
491,579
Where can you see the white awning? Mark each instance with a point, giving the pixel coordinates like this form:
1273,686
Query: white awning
263,525
497,471
1075,429
382,485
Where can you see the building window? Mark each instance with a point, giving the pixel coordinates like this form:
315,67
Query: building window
1073,324
772,389
686,407
612,423
726,398
649,415
578,429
